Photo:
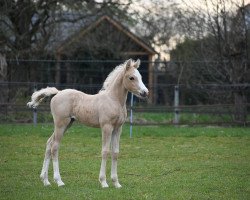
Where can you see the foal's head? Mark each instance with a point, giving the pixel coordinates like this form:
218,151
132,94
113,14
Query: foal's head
132,79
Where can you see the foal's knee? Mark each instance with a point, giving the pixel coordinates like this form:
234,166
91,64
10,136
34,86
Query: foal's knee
105,154
115,155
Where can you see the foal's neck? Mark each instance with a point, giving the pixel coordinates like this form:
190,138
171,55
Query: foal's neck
118,91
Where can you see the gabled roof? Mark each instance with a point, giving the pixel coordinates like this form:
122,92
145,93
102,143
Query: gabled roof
86,29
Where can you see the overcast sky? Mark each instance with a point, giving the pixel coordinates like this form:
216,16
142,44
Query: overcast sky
191,4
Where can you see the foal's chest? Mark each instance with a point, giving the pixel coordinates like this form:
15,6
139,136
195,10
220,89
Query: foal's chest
121,116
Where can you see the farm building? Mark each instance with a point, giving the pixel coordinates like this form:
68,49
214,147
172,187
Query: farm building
99,41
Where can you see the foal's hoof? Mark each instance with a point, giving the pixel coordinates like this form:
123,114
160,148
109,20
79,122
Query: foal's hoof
46,183
104,184
45,180
60,183
117,185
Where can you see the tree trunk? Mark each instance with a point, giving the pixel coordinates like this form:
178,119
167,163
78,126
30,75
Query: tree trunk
3,77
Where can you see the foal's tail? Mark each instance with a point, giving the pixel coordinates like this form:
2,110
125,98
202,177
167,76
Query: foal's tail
38,96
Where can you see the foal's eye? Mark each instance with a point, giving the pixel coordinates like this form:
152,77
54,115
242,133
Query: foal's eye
131,78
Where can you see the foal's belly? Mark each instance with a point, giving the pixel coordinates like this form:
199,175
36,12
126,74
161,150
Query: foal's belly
89,118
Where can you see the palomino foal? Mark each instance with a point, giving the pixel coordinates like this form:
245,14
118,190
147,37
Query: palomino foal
106,110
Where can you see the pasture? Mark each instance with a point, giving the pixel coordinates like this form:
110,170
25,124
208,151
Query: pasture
157,163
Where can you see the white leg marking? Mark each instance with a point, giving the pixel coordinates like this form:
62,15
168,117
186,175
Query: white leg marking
47,157
54,152
57,176
44,172
102,175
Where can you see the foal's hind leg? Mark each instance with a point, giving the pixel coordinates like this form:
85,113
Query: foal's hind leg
60,127
47,157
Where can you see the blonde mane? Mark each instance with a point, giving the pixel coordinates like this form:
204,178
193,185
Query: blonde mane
113,75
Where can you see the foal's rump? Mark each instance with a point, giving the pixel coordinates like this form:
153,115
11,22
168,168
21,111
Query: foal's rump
61,103
62,99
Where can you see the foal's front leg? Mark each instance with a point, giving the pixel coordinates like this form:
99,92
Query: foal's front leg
115,151
106,138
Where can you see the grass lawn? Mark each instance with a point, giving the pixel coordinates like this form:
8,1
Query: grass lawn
157,163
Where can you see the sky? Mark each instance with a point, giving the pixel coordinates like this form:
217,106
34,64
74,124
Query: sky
191,4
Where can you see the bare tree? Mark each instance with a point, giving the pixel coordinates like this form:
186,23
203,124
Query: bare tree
27,25
221,36
156,23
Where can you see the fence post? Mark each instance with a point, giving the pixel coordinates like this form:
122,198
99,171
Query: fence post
176,105
34,116
34,110
131,115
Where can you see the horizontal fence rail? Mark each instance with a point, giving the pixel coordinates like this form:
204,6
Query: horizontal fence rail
16,111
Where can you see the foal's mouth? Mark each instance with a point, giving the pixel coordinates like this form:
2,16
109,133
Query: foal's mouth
143,95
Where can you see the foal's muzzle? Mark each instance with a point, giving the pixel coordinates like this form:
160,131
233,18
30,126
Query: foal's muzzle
143,95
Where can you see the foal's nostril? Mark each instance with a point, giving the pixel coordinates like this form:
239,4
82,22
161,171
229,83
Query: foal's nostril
144,94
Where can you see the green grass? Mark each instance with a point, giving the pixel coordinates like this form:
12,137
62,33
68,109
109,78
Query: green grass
185,118
138,117
157,163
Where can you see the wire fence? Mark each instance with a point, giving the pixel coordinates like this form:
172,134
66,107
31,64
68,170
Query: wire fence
14,109
194,103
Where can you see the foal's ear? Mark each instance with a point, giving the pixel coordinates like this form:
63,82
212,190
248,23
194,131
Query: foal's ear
128,63
137,64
